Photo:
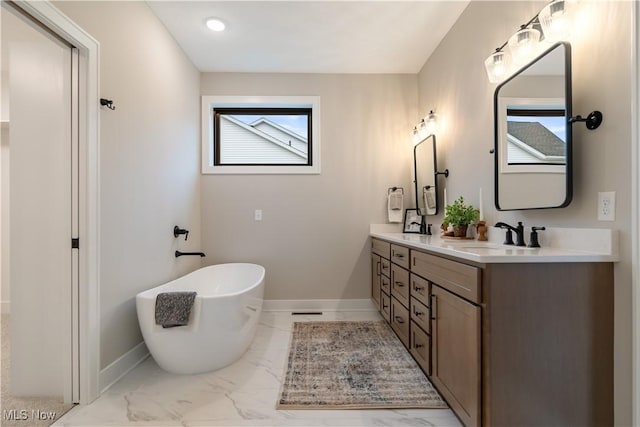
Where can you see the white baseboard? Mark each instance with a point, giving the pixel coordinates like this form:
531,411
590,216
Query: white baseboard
5,307
121,366
318,305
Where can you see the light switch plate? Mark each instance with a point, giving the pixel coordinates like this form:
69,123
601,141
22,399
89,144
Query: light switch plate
257,215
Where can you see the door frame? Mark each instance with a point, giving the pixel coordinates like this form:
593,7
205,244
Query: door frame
86,295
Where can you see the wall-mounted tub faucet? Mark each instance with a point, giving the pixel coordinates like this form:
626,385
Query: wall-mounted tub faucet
177,231
179,254
508,237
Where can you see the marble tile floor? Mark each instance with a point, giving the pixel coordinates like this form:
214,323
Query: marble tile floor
242,394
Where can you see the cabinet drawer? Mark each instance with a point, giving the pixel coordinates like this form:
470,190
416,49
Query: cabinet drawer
400,321
381,248
400,284
459,278
419,289
385,285
420,348
420,314
385,307
385,267
400,256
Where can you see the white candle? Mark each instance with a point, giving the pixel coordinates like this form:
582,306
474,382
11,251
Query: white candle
480,202
445,197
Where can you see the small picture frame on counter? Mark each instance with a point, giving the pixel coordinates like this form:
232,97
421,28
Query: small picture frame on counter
412,221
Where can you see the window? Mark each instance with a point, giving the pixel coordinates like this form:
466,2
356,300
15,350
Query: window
270,135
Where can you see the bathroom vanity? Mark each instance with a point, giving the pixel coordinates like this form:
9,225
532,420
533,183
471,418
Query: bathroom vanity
509,336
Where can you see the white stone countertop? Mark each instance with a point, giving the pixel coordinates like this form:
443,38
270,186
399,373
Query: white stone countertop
557,245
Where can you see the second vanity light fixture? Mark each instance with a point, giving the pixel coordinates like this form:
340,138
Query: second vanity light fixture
428,127
550,25
425,128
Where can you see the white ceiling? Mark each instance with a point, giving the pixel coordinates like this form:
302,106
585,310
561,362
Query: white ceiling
310,36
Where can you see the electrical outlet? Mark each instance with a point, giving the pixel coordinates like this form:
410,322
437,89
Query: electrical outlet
607,206
257,215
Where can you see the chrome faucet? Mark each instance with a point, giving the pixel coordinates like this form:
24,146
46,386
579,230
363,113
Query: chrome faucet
508,237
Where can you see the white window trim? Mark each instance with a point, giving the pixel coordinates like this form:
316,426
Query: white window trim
210,102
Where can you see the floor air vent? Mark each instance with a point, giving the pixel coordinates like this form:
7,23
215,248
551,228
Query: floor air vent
306,313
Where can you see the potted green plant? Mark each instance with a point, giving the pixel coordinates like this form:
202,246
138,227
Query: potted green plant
459,216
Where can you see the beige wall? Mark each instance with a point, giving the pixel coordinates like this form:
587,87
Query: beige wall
453,83
313,237
149,161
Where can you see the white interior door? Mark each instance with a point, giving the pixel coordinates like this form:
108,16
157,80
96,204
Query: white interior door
41,272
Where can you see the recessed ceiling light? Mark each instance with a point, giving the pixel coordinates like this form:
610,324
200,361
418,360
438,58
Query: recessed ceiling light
215,24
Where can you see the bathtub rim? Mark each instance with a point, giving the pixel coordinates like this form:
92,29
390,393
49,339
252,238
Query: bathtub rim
148,294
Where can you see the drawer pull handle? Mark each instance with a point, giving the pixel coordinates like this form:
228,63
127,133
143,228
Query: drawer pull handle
399,319
384,306
418,313
418,288
385,267
399,284
434,307
398,255
418,346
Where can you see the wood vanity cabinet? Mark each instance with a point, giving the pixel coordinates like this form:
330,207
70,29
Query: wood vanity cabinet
510,344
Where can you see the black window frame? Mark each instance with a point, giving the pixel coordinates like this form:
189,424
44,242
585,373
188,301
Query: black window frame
272,111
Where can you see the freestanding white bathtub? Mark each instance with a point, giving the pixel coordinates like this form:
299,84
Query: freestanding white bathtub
222,324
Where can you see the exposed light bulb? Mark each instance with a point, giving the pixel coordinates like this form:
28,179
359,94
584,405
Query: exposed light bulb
215,24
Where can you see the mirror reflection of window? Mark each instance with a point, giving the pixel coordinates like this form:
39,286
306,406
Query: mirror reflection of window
536,136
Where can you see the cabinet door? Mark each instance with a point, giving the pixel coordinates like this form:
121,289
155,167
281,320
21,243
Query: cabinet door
375,278
455,358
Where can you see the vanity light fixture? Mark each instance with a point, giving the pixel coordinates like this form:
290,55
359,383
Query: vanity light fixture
215,24
428,126
551,24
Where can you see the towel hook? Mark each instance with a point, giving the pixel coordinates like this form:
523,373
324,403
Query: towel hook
107,103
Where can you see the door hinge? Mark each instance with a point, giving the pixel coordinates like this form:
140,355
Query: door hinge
75,243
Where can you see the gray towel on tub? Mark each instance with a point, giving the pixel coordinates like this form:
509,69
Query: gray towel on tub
174,308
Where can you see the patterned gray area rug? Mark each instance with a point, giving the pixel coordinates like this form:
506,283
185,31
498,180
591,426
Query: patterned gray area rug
352,365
